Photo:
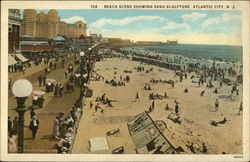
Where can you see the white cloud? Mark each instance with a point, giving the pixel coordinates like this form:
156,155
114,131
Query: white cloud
227,17
73,19
230,17
194,16
172,26
215,20
125,21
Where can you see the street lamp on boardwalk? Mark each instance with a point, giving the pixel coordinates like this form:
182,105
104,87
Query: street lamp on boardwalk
82,54
21,88
89,62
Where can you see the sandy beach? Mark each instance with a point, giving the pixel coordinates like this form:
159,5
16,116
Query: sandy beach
196,111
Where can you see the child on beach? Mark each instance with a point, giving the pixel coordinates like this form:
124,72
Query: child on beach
216,104
137,97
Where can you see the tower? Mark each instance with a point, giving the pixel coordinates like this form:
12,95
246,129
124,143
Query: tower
53,23
29,22
42,25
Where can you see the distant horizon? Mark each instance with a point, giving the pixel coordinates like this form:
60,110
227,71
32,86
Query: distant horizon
197,44
216,27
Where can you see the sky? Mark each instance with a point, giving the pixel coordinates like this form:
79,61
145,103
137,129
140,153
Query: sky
187,26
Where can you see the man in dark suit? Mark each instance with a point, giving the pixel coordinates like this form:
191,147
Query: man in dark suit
9,124
34,123
40,80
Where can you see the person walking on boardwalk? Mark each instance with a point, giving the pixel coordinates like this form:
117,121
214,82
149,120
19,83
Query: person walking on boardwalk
9,124
216,104
55,130
40,80
137,97
66,73
44,80
60,90
56,90
32,113
12,143
34,125
241,108
15,125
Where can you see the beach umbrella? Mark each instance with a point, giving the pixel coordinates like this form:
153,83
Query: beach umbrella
38,92
51,80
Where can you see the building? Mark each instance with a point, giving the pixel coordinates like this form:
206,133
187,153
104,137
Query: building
48,25
148,42
174,42
32,46
14,23
95,36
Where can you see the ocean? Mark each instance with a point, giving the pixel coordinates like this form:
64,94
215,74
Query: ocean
223,52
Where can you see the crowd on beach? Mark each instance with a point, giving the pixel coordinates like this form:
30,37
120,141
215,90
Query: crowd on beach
65,125
212,76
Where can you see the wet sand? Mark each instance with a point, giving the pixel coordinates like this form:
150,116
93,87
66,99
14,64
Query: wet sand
196,111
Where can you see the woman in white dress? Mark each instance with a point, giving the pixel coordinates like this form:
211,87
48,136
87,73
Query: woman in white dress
55,131
12,143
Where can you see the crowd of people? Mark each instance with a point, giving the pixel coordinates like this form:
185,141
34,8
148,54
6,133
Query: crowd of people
156,96
101,100
65,127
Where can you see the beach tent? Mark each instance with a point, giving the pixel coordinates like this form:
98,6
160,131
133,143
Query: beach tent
98,144
147,136
11,60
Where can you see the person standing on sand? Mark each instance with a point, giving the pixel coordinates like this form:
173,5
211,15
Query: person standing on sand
172,84
137,97
216,104
202,93
241,108
153,104
91,104
167,107
97,106
176,108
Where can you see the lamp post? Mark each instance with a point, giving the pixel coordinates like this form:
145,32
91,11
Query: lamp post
82,54
34,50
90,50
21,88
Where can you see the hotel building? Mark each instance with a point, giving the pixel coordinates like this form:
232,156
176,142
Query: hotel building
48,25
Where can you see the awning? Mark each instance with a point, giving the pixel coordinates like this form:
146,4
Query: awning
21,57
11,60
